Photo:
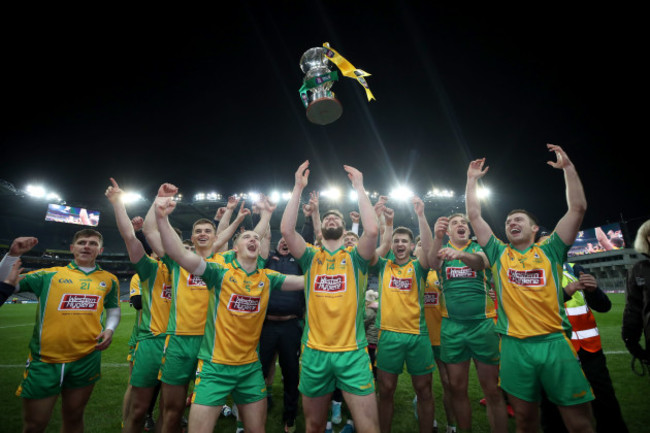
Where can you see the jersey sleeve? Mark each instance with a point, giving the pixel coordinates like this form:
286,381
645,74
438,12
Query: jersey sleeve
493,249
276,279
134,287
213,275
112,299
146,268
556,248
33,282
305,261
362,263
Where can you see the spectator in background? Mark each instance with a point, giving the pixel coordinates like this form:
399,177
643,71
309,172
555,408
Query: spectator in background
371,329
636,316
581,295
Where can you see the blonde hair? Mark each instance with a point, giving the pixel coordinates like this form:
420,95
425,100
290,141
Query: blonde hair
641,240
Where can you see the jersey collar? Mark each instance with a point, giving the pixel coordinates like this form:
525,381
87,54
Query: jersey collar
73,265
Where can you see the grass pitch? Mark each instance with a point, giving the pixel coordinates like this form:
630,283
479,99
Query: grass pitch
103,413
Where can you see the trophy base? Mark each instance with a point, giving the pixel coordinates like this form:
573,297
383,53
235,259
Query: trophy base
324,111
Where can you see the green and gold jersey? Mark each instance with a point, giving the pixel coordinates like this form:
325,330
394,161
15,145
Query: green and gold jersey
529,286
401,297
464,290
335,285
134,290
236,311
70,307
156,295
432,311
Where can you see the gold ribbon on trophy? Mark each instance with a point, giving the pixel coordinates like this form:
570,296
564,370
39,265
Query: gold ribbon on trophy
348,69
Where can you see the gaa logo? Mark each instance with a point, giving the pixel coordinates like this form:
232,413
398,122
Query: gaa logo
244,304
65,281
329,283
74,302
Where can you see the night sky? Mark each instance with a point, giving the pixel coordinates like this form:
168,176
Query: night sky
208,99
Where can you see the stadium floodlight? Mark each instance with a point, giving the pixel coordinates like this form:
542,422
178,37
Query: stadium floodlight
177,197
35,191
131,197
401,193
286,195
483,193
353,195
332,193
439,193
254,196
39,192
201,196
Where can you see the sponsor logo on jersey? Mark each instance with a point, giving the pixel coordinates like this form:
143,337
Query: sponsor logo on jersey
404,284
244,304
166,292
74,302
329,283
462,272
431,298
532,278
65,281
195,281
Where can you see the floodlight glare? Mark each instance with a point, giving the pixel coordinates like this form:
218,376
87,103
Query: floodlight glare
36,191
332,193
353,195
130,197
401,193
483,193
286,196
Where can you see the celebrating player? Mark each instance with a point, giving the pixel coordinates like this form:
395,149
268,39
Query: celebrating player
238,297
65,350
334,337
535,352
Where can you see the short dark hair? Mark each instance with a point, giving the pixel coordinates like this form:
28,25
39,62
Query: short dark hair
403,231
351,233
531,216
86,233
203,221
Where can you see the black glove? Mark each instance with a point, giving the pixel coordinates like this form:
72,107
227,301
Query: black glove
637,351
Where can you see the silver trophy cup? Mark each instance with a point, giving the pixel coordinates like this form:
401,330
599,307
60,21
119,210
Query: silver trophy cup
322,107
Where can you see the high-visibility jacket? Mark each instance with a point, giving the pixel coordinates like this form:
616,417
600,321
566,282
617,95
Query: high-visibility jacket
584,333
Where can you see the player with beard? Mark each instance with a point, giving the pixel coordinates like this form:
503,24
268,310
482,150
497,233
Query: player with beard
535,351
334,340
467,329
188,309
403,332
238,297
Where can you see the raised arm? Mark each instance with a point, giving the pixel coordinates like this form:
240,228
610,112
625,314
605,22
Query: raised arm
294,282
170,240
439,230
18,247
476,261
368,240
568,226
294,241
387,235
425,232
315,215
472,204
150,227
133,245
267,208
229,232
226,215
